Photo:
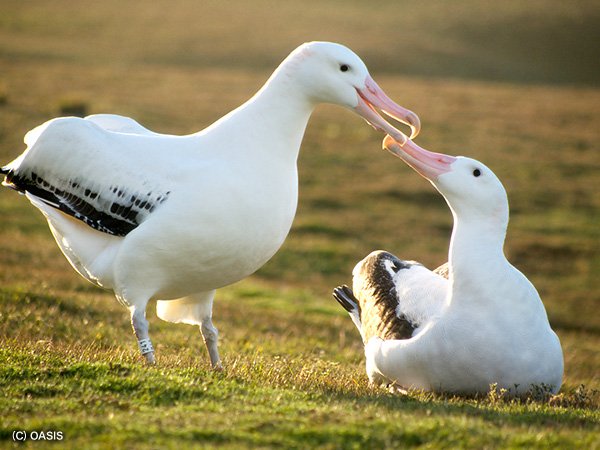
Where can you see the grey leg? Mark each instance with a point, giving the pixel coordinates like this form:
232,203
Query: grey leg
140,329
210,334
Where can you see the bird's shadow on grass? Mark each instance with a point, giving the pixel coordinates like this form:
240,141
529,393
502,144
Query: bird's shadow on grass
515,411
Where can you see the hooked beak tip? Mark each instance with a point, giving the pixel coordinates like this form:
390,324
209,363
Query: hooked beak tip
391,145
414,123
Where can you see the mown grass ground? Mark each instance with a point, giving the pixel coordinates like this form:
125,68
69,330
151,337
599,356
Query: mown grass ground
514,85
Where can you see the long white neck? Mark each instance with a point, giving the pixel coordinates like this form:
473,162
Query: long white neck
476,257
475,244
273,121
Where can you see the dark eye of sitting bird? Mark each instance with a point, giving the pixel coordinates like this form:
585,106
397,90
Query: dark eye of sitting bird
476,172
344,67
396,267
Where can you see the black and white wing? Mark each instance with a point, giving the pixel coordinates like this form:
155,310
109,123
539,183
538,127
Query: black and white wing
392,298
110,178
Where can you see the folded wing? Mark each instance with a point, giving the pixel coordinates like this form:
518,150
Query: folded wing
109,178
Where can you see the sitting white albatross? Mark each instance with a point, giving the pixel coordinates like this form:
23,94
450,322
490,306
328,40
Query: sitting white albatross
474,322
172,218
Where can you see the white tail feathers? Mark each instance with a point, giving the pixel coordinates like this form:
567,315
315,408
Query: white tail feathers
193,310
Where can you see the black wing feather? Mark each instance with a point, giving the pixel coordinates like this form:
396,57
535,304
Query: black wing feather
126,212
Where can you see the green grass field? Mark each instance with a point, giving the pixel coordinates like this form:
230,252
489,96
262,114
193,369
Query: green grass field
514,84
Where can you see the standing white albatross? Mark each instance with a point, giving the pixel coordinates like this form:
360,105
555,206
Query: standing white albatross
474,322
172,218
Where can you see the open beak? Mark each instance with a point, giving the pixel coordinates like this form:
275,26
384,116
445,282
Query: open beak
371,97
429,164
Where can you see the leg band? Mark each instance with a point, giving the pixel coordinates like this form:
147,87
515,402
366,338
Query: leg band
145,346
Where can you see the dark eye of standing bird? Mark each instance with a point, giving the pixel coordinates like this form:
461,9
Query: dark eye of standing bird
476,172
344,67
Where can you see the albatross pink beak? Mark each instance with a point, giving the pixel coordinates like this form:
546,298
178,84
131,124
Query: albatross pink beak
429,164
371,97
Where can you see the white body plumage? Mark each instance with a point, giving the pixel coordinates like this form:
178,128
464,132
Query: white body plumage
483,325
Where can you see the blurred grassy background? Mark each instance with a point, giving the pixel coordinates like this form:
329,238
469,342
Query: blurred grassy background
514,84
